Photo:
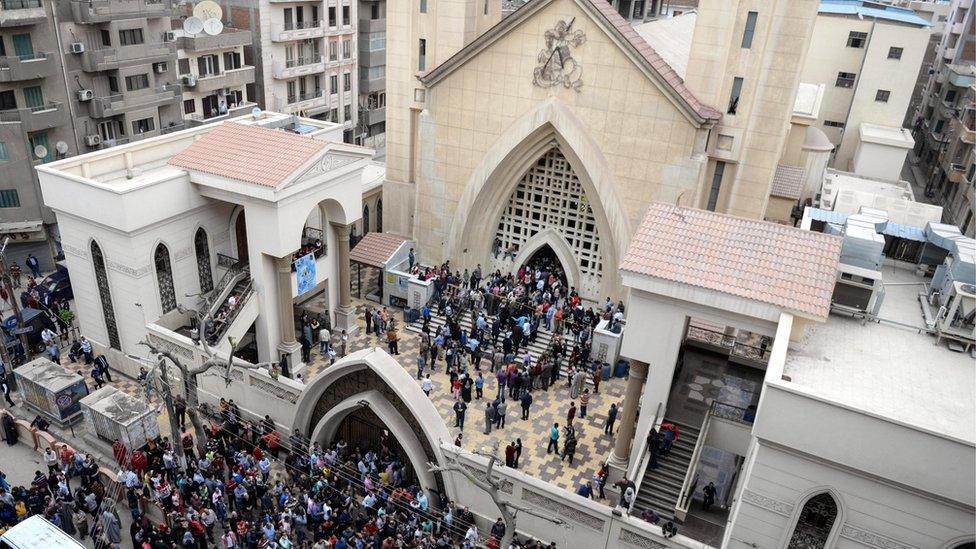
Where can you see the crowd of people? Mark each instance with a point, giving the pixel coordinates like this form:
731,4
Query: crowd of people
247,488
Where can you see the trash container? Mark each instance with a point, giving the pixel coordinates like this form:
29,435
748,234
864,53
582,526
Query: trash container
623,367
410,315
607,371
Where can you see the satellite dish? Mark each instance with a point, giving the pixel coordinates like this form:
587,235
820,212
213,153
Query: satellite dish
256,112
208,9
212,26
40,151
61,147
193,26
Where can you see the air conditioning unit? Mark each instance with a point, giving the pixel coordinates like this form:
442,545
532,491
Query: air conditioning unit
85,95
76,47
93,140
169,36
189,80
160,67
858,290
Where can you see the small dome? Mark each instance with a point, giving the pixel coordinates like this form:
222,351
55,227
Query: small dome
816,140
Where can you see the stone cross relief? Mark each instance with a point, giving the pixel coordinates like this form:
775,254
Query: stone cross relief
557,66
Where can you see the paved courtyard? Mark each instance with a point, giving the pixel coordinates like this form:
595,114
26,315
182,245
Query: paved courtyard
547,408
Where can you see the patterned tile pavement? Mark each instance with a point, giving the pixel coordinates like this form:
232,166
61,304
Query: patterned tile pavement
547,408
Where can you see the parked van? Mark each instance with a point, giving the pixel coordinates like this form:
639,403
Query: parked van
36,531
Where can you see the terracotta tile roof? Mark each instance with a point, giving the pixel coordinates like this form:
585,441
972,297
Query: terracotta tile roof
375,249
759,260
249,153
788,182
665,70
614,21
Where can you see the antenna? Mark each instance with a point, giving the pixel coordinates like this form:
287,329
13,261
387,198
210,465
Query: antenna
193,26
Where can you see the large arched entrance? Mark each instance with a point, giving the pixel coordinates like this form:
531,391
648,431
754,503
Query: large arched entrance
546,260
367,393
550,197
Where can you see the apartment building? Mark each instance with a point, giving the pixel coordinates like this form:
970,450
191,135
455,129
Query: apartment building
868,55
944,127
33,119
120,69
214,74
936,12
372,75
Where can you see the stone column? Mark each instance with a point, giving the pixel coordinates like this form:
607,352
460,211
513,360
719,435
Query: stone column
286,316
345,314
628,419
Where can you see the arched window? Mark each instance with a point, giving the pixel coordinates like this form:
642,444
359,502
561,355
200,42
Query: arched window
101,280
365,219
202,246
164,277
816,520
379,215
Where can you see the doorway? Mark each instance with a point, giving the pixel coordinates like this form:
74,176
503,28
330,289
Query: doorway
363,429
545,259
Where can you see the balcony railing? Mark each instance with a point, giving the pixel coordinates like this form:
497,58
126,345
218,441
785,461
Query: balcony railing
111,58
101,11
304,96
302,61
228,38
111,105
735,348
15,68
21,12
231,78
42,117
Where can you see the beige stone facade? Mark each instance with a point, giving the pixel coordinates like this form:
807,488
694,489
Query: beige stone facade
462,137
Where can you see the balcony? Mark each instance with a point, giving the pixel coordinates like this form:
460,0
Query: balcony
234,78
305,30
955,172
102,11
959,27
200,119
371,57
229,38
306,101
961,75
292,68
17,68
112,105
33,119
114,58
373,116
965,126
16,13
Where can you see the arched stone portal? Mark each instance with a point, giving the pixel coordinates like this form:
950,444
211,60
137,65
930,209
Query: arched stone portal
372,378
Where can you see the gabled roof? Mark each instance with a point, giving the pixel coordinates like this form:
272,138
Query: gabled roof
249,153
775,264
787,182
604,14
376,249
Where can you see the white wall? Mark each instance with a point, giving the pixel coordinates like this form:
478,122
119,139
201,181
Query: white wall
877,160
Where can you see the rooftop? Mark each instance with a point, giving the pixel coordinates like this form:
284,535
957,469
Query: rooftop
776,264
886,135
671,38
890,370
787,182
376,249
872,10
847,192
229,151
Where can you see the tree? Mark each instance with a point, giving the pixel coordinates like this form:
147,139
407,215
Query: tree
492,487
190,374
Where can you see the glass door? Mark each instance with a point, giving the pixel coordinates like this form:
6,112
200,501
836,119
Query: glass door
23,47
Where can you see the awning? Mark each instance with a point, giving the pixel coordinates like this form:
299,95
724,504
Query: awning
827,216
18,227
376,249
904,231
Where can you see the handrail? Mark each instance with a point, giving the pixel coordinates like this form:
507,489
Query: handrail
638,467
245,295
229,279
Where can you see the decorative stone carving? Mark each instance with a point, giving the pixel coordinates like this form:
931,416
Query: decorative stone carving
184,253
767,503
134,272
638,540
572,513
332,161
71,250
275,390
557,66
170,346
361,381
871,539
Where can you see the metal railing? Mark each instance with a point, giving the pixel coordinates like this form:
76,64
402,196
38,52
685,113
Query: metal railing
302,61
636,476
5,61
229,279
304,96
221,331
16,115
729,343
301,25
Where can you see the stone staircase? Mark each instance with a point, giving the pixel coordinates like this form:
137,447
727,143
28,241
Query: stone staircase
536,349
660,488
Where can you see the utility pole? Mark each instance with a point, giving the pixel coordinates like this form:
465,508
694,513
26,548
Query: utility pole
167,396
14,302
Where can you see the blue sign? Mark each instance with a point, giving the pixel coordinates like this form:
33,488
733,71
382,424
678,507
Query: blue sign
305,271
